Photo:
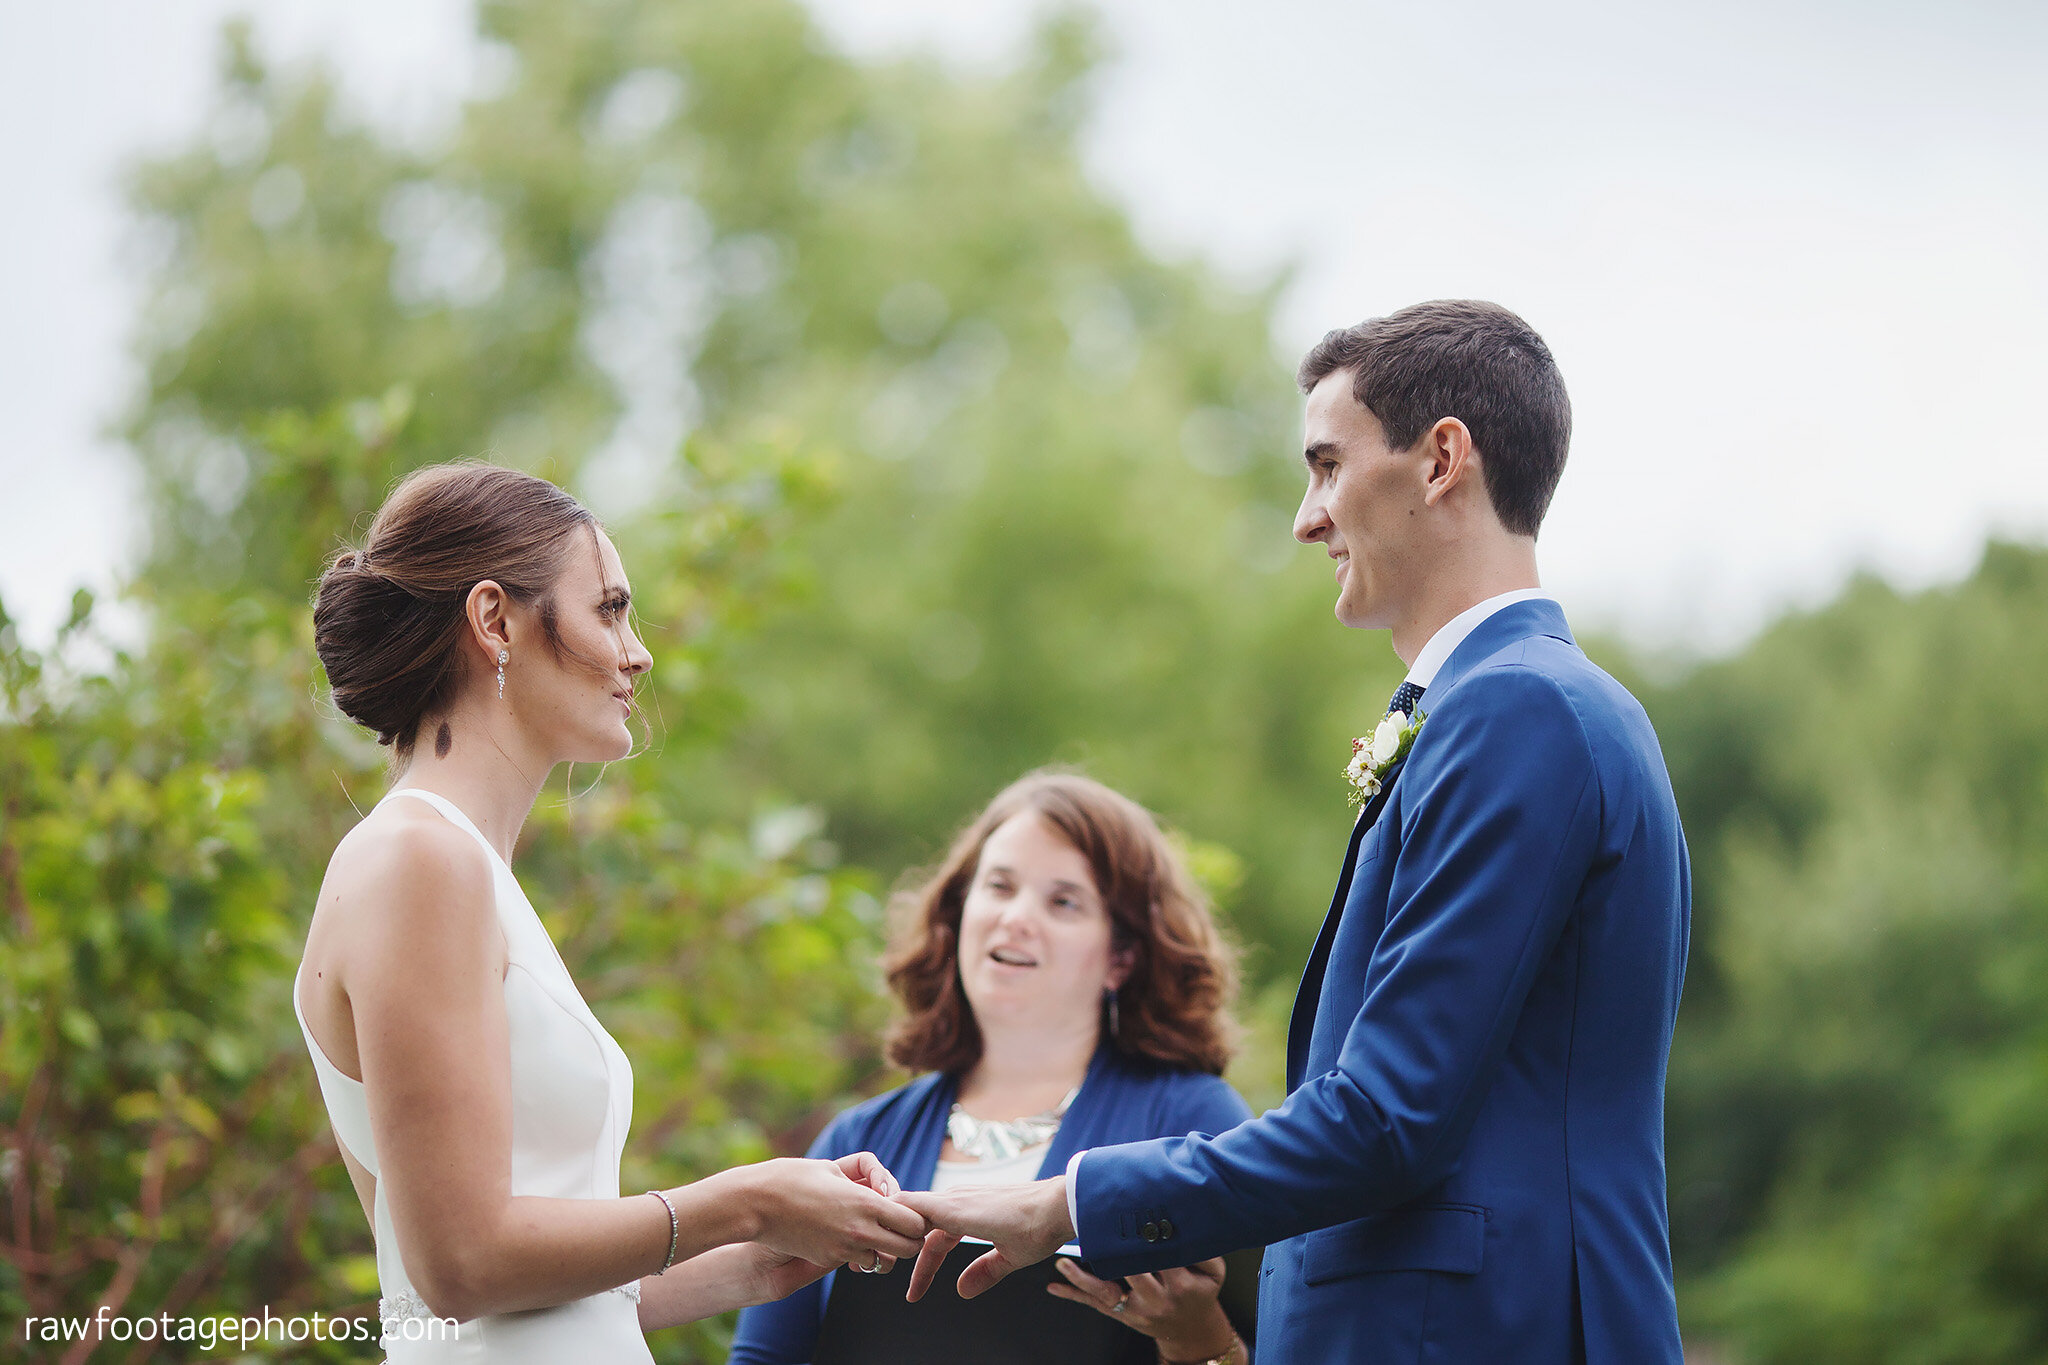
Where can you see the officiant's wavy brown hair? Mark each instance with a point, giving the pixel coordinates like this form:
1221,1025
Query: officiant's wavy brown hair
389,617
1174,1007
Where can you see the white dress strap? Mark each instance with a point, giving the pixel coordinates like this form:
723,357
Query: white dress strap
348,1104
452,811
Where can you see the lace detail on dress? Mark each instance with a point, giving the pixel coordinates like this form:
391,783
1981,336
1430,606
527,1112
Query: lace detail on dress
406,1304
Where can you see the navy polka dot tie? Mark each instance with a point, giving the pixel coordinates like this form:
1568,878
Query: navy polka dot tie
1405,697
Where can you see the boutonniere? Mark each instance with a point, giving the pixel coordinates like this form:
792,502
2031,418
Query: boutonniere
1372,757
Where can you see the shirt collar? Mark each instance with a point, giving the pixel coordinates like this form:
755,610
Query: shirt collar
1453,632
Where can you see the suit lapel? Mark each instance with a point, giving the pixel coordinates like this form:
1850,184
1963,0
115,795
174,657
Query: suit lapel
1311,990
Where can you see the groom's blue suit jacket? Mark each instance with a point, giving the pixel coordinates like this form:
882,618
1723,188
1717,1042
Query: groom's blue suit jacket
1469,1164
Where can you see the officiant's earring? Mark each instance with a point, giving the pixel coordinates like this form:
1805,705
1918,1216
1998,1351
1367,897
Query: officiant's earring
503,655
1115,1024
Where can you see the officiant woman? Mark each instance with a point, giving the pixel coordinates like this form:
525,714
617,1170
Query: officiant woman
1063,987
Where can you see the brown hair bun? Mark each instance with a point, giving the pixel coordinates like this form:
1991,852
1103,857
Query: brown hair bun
388,617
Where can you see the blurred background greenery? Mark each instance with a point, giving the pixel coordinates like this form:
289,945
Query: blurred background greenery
973,482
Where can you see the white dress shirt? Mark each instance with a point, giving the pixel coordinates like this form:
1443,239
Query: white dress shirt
1452,633
1422,673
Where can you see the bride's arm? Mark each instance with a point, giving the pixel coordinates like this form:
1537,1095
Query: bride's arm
423,970
749,1274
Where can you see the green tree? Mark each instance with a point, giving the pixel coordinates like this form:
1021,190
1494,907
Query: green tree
1858,1090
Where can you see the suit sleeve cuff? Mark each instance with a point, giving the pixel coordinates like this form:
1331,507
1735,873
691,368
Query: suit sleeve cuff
1074,1192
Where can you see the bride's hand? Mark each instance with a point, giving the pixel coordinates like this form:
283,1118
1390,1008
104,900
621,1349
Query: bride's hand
831,1212
772,1275
867,1168
736,1275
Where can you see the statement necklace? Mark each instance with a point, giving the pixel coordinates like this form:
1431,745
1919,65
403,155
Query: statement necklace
1003,1139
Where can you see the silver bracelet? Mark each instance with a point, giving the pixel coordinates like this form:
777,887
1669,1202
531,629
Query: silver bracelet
1234,1353
675,1231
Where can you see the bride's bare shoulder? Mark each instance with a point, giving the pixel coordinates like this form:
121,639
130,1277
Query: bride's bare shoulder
405,862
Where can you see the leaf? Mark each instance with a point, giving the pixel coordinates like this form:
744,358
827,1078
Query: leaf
81,609
81,1029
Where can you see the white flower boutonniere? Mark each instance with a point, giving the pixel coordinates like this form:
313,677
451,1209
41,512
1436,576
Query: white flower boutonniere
1372,757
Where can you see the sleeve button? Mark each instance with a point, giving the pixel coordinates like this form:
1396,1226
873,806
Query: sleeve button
1150,1232
1165,1229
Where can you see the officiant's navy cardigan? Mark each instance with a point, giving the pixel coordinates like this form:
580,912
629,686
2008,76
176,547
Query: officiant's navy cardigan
1121,1100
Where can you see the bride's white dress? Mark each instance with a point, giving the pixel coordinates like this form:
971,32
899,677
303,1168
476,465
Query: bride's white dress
572,1100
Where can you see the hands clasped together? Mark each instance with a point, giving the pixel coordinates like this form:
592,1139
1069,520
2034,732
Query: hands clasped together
1025,1224
852,1212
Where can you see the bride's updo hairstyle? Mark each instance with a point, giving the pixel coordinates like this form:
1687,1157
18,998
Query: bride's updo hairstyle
389,618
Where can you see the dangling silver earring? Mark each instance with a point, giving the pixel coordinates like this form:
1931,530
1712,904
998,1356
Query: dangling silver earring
1115,1024
503,655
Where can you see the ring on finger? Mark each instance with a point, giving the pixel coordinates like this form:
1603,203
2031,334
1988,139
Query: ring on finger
872,1267
1122,1299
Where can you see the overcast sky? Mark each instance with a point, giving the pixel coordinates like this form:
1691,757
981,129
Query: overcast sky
1790,255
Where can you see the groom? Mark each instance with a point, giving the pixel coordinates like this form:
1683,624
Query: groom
1469,1164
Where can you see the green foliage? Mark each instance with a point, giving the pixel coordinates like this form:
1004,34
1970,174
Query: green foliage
1065,529
158,1136
1857,1096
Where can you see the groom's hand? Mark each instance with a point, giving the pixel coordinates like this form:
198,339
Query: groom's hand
1027,1223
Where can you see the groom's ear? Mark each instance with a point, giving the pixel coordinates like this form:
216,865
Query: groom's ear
1452,460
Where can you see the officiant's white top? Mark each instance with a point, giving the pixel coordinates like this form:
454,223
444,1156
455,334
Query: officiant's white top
1020,1169
572,1100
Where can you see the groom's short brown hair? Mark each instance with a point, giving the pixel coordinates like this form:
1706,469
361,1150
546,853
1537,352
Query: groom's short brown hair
1468,359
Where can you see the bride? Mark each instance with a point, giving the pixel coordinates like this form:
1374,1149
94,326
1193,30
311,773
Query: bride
482,632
